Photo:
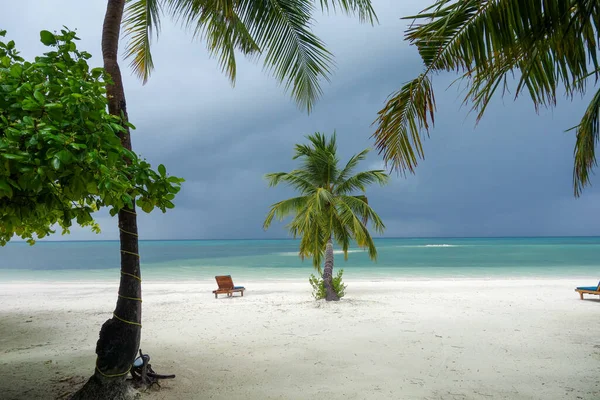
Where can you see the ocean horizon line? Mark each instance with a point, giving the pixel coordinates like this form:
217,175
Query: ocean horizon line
296,239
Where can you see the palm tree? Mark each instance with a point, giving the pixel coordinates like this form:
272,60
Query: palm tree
552,45
279,30
327,209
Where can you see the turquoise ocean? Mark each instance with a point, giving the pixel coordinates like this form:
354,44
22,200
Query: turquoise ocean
192,260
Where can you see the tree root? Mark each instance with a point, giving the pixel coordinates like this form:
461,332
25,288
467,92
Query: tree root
106,389
143,376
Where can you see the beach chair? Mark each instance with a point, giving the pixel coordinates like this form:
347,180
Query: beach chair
588,289
226,286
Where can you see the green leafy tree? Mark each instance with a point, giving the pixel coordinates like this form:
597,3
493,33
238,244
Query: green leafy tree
278,29
543,46
327,209
60,158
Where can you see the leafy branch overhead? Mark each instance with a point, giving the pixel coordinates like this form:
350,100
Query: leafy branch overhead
545,46
279,30
60,157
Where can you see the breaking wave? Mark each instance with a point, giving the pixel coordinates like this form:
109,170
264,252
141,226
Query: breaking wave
430,245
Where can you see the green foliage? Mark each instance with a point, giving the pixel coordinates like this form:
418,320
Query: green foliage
318,285
60,157
545,46
328,204
280,30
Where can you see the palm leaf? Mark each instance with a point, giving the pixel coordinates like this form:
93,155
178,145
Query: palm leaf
311,226
298,179
278,29
319,160
217,23
323,199
399,125
360,207
363,8
351,165
355,226
360,181
140,20
341,234
293,53
284,208
588,134
549,45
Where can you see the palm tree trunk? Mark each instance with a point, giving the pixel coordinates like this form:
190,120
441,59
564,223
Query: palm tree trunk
328,273
120,336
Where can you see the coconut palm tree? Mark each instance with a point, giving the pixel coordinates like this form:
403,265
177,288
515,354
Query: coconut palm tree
328,207
545,46
280,31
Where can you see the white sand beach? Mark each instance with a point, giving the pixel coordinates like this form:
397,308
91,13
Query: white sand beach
450,339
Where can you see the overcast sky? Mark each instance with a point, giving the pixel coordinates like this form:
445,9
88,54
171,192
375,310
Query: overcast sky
510,175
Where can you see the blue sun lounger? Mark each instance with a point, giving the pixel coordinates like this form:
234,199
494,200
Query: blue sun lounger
588,289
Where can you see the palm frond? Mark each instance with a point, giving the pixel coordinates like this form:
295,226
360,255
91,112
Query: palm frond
319,143
551,49
313,244
319,159
351,164
298,179
310,224
364,199
217,23
588,134
472,34
141,20
548,45
275,178
399,125
355,226
302,150
281,30
223,37
361,180
341,234
285,208
303,218
361,208
293,53
363,8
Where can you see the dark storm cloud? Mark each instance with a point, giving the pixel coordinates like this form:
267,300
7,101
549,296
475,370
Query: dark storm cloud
510,175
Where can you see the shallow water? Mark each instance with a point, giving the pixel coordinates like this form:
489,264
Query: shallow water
278,259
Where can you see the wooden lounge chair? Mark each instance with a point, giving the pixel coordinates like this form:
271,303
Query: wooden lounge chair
226,286
588,289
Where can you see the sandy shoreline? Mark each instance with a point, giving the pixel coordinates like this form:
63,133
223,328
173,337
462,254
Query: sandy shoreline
436,339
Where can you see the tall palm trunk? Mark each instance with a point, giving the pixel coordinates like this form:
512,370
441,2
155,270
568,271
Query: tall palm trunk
328,273
120,336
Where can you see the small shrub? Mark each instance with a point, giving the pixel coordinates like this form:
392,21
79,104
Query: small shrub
318,285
